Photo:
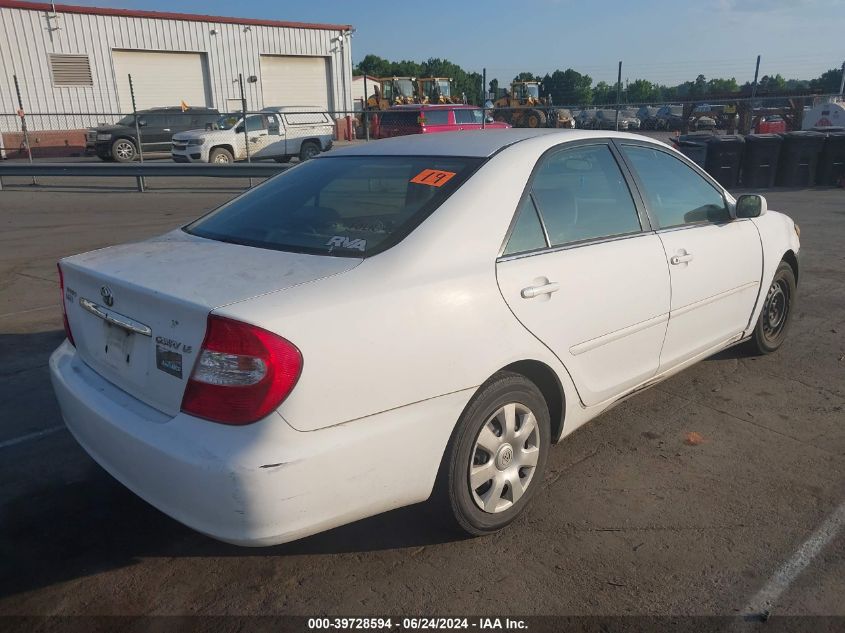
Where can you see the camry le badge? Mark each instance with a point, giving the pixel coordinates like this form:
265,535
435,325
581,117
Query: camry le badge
108,297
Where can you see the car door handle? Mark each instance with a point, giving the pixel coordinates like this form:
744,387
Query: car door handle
535,291
681,259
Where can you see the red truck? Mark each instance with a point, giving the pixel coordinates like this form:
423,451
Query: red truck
426,119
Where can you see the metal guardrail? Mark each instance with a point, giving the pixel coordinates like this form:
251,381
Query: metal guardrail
140,171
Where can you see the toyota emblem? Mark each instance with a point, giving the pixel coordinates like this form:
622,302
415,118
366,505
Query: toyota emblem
108,297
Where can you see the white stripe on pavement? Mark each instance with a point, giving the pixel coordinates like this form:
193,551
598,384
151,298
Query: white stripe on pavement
31,436
791,569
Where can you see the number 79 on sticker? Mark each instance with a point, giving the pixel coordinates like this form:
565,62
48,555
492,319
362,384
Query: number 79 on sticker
433,177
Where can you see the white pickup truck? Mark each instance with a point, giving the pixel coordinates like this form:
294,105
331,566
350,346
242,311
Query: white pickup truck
279,133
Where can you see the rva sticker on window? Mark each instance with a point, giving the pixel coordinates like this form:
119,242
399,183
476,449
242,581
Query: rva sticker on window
433,177
344,242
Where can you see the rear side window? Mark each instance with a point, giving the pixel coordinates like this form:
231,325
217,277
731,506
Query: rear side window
582,195
468,116
436,117
350,206
527,233
400,119
676,194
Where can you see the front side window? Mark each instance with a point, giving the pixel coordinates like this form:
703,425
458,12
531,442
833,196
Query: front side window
467,115
676,194
582,195
350,206
255,122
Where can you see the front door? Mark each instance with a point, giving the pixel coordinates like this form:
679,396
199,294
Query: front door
584,273
261,141
715,262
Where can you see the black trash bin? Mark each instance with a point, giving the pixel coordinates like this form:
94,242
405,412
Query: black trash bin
760,160
724,157
694,146
799,157
832,160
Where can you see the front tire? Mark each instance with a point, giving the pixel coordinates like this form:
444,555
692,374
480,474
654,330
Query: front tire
775,317
123,150
497,457
221,156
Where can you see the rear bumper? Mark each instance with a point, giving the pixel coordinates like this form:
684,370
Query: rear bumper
260,484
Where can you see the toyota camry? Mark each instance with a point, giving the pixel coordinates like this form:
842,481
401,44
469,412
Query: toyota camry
404,319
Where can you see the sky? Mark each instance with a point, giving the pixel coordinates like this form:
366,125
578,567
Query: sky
666,41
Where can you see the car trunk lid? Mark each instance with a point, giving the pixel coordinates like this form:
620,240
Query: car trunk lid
138,312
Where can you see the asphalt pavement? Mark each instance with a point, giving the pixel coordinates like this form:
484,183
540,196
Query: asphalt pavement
717,492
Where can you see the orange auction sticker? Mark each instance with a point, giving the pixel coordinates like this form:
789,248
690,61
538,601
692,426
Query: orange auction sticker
433,177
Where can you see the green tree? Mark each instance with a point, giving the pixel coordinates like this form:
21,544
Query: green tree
770,83
568,87
828,82
643,91
526,76
372,65
602,92
721,86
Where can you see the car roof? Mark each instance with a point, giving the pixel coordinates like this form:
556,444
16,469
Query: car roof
305,108
472,143
432,106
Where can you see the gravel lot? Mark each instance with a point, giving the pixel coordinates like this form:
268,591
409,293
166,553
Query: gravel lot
632,518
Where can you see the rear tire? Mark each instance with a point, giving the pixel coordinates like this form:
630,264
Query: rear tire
776,315
495,462
221,156
308,151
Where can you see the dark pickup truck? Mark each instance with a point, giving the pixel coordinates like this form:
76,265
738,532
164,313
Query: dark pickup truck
119,142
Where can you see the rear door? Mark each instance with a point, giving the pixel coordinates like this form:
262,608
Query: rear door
583,271
715,262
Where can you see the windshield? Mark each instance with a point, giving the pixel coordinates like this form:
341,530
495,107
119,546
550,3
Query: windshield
405,87
227,122
533,90
444,87
352,206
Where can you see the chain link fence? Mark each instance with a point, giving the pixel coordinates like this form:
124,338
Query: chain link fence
281,133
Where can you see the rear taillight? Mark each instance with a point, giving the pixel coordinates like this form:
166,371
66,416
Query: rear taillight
242,374
68,333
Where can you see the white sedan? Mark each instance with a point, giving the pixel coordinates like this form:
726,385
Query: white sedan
417,316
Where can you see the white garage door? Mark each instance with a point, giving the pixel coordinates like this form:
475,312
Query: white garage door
161,79
287,80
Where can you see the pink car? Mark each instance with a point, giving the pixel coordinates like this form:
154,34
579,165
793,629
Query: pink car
425,119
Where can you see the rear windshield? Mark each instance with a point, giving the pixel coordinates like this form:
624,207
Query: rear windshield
351,206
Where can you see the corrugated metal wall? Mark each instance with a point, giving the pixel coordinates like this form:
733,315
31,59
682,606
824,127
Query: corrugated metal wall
27,37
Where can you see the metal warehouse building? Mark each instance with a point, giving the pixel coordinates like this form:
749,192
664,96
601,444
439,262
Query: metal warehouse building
71,59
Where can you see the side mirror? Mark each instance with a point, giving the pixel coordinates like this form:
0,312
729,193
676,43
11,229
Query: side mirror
239,129
750,205
142,123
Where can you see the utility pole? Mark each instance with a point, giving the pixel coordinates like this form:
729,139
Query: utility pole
243,113
618,95
842,82
484,97
22,115
365,110
141,183
756,73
